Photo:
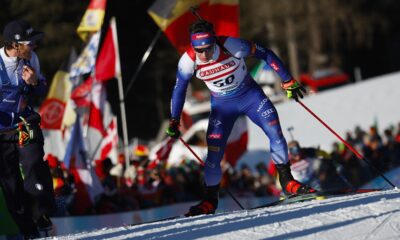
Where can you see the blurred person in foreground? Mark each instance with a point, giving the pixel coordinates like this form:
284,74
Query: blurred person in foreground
220,63
25,176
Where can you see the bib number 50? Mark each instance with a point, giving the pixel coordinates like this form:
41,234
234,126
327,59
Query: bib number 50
224,82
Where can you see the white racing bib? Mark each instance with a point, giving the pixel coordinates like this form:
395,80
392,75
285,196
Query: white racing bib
224,75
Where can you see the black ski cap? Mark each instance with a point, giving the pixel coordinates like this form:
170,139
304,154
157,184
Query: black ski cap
19,31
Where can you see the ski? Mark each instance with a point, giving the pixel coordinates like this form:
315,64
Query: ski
320,195
155,221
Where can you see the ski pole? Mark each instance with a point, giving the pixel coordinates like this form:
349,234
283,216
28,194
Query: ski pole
359,156
191,150
202,164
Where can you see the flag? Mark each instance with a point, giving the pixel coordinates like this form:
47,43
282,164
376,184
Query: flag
237,141
53,108
109,145
102,132
161,152
93,18
107,64
76,153
174,18
97,105
55,112
81,94
87,183
103,64
86,62
100,119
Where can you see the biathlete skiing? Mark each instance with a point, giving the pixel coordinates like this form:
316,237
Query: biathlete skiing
220,63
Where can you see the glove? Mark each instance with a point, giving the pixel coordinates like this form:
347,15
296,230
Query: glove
293,89
173,129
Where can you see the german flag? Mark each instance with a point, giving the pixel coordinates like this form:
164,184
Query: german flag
174,18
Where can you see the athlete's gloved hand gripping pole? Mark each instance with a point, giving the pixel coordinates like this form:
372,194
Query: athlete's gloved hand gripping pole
173,129
359,156
293,89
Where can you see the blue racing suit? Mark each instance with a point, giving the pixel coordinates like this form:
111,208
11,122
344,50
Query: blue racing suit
33,196
233,93
14,92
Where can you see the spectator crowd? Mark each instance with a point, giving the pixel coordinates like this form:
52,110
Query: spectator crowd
144,185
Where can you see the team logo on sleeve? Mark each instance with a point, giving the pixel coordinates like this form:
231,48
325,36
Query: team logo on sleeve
215,136
275,66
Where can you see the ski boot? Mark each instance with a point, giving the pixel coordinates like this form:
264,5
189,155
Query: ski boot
209,203
289,184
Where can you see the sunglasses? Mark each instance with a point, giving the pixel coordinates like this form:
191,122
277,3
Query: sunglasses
28,43
201,50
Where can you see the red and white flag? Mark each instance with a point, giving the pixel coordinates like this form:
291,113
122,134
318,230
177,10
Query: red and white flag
107,65
161,152
237,141
92,94
109,145
101,132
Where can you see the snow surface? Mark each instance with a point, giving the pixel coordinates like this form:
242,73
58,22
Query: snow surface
374,215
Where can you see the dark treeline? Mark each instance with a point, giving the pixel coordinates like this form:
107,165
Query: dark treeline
307,34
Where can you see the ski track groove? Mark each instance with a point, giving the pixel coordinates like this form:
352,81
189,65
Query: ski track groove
371,234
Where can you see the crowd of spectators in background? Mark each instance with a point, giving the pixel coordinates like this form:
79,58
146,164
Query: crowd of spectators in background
141,186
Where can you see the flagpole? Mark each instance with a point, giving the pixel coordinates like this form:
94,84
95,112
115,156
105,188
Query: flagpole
142,62
123,120
121,97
